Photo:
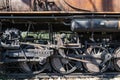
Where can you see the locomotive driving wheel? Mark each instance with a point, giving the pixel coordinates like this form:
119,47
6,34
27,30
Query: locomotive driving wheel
33,67
98,60
116,61
63,65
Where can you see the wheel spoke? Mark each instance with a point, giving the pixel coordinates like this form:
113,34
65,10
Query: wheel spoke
31,66
94,51
98,51
70,65
36,68
66,66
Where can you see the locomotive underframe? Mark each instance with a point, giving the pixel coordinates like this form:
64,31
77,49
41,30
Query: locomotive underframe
55,22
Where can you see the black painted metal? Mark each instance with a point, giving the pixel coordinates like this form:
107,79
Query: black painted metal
81,25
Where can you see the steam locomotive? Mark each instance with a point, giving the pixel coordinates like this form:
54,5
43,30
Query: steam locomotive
59,35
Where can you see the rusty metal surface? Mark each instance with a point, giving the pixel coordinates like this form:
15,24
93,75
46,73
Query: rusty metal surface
89,5
21,5
60,5
16,5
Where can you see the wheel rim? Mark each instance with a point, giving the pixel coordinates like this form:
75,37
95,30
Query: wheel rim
94,65
65,66
34,67
116,61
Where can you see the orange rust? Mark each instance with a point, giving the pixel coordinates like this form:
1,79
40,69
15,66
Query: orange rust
89,5
62,5
55,12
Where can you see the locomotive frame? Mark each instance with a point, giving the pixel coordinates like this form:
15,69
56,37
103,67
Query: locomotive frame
42,53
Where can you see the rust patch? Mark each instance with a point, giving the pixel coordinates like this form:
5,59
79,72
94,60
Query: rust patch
107,5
